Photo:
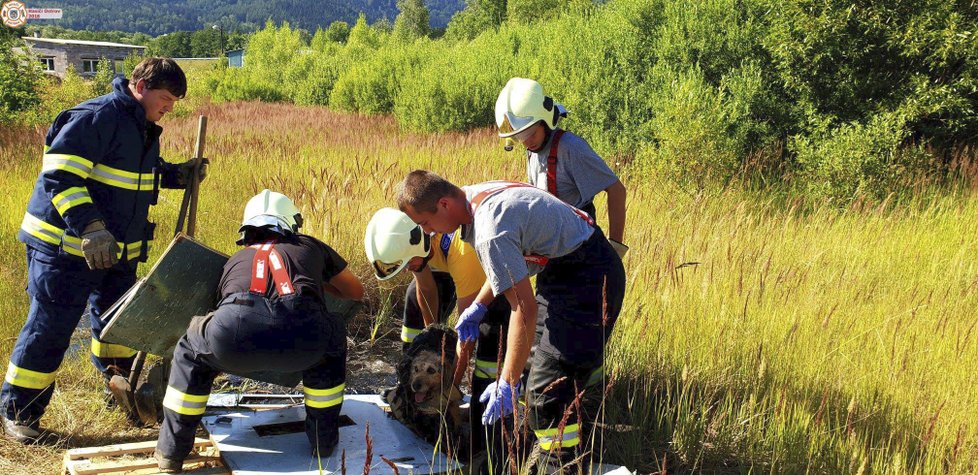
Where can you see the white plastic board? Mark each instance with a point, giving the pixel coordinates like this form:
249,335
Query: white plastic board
246,453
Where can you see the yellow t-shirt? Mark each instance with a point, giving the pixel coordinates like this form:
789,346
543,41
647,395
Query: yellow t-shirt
461,263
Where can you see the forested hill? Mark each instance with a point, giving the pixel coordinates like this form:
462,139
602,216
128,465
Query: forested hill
156,17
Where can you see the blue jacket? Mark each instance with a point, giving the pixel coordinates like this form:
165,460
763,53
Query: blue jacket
101,161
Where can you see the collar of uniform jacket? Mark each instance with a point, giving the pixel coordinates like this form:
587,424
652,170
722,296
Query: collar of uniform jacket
120,86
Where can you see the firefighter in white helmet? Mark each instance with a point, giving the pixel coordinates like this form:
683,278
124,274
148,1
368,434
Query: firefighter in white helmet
559,161
447,275
271,316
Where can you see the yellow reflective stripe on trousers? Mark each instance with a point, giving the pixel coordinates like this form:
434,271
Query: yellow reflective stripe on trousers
69,198
69,163
134,250
408,334
102,349
25,378
122,179
321,398
71,244
183,403
485,369
552,438
41,230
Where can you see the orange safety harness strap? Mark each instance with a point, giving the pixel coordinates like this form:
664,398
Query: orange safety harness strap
268,261
552,163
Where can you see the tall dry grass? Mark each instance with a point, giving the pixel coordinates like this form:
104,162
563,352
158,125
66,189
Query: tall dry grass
755,335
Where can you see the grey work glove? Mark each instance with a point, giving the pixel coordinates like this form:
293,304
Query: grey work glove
620,248
98,244
186,170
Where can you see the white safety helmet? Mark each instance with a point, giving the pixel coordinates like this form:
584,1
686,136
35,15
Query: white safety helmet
271,210
392,240
521,104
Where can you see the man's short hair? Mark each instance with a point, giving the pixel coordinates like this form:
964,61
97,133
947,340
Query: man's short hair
161,73
422,189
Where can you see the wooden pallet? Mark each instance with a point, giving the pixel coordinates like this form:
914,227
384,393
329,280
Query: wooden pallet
137,458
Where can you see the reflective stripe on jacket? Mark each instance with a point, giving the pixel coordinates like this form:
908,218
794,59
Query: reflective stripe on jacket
101,161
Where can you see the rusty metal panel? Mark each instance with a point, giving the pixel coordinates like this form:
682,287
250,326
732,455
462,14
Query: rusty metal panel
155,313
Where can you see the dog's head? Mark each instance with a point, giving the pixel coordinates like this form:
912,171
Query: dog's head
425,371
427,377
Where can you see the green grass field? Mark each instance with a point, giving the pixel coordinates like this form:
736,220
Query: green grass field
757,335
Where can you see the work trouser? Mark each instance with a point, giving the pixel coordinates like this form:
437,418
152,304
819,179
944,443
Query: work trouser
413,319
579,297
488,363
248,333
59,288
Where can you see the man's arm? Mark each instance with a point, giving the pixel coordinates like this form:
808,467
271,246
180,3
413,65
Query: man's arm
485,295
426,291
522,326
71,154
616,211
344,285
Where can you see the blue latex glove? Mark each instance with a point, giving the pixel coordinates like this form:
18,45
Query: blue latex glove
500,399
468,322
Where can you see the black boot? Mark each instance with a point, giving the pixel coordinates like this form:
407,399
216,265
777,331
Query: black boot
167,465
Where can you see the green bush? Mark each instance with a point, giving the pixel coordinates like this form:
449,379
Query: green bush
371,85
456,88
57,96
102,81
20,82
696,89
857,159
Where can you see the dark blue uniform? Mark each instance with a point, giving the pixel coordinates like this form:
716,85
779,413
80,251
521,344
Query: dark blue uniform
101,162
263,331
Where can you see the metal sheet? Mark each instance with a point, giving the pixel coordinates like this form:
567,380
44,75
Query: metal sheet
245,452
155,313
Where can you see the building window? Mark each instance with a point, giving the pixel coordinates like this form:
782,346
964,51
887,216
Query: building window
89,65
120,65
47,63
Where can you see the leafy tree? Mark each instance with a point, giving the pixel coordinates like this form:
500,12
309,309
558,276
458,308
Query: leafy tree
173,45
235,40
104,73
412,23
206,43
338,31
20,78
528,11
363,35
477,17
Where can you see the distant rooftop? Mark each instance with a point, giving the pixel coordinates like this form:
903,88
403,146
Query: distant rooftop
81,42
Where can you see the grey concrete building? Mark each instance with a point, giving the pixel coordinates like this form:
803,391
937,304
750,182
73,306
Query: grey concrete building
56,54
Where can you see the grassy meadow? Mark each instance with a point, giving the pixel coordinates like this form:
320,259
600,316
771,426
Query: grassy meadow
759,334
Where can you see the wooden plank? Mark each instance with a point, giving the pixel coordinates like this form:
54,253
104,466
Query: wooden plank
84,467
123,449
137,457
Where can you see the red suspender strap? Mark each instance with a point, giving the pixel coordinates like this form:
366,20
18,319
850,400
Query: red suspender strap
505,185
552,163
268,261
